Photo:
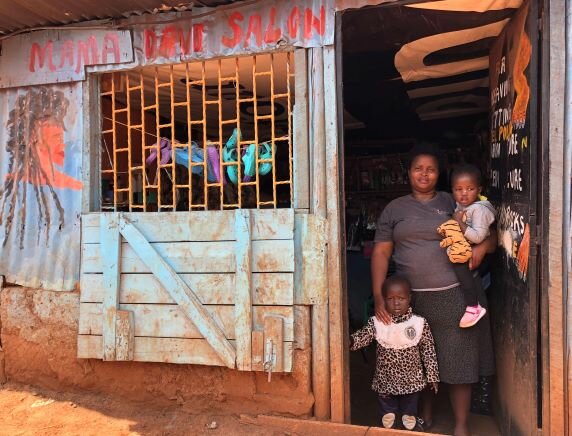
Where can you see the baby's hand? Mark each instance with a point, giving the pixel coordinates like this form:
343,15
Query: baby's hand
459,216
435,387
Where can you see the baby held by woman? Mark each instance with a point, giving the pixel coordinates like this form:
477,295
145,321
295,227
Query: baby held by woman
470,225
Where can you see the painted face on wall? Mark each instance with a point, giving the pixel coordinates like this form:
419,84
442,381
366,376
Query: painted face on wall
36,153
48,139
50,143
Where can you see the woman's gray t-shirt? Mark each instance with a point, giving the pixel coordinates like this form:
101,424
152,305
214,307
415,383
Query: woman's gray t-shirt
412,226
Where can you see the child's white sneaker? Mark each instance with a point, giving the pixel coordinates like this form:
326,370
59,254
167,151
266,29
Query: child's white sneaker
388,420
409,421
473,315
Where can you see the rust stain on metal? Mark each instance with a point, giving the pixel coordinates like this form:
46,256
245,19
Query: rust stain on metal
265,228
267,264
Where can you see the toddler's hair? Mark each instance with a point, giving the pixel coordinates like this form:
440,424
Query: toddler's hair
396,280
466,170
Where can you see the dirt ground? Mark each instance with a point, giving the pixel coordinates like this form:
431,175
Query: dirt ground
25,410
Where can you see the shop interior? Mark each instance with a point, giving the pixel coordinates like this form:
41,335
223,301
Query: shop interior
395,95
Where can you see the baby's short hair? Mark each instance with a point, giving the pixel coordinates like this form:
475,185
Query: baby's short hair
395,280
466,170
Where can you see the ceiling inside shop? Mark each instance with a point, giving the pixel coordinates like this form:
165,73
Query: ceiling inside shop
419,71
228,69
236,78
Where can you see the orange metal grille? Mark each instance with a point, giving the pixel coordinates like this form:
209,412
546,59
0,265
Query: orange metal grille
196,108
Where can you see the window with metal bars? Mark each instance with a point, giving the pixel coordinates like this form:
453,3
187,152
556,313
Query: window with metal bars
208,135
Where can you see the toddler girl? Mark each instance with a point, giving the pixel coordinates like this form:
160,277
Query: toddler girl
470,225
405,359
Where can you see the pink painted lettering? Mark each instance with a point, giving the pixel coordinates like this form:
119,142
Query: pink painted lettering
110,46
294,22
233,23
42,55
254,28
311,21
273,33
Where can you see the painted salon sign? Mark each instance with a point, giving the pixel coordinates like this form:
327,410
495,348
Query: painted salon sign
60,55
255,28
56,56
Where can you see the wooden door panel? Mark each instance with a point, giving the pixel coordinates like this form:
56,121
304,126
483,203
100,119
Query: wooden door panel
198,257
210,288
168,320
197,226
176,291
169,350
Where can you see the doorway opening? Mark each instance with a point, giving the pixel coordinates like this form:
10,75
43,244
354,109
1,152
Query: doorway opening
412,73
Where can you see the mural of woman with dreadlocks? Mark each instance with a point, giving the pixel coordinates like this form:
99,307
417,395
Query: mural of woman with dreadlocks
37,153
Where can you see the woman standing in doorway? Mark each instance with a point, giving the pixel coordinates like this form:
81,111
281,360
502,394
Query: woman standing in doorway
406,230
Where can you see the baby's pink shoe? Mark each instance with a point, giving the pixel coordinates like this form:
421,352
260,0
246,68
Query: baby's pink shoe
473,315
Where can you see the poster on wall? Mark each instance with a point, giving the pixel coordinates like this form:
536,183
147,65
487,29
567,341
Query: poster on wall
40,185
509,172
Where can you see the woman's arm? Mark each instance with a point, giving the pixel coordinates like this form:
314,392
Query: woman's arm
488,246
379,265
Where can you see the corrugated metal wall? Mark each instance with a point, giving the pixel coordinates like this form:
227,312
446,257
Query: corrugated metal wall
41,131
21,14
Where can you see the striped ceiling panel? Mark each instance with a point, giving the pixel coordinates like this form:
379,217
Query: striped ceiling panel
426,60
446,72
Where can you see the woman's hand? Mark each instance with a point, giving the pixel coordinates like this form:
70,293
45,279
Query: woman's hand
435,387
381,313
479,252
488,246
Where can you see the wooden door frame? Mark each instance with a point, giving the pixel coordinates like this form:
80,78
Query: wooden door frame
337,302
555,415
550,298
543,209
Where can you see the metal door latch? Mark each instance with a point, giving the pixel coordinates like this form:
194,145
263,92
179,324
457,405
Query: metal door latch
269,358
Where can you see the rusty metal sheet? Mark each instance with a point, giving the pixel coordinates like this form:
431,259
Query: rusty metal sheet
24,14
57,56
252,28
41,131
